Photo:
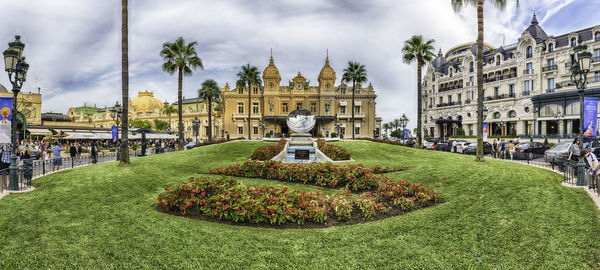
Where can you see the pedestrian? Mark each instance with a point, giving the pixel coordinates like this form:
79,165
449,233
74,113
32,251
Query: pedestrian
494,146
593,164
27,164
511,149
574,149
56,158
502,149
79,150
73,152
5,163
454,143
94,152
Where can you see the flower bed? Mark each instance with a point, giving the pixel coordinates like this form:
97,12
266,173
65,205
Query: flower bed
333,152
267,152
225,199
205,143
352,176
383,141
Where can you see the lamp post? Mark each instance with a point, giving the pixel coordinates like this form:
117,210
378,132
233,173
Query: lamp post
403,122
116,115
196,125
337,125
579,71
17,68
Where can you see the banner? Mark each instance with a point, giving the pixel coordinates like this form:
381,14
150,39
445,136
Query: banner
114,134
5,122
485,132
590,118
405,133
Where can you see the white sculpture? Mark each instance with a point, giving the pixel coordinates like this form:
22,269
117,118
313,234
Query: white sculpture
301,123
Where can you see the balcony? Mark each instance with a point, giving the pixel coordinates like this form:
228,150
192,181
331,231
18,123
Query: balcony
526,93
450,88
501,77
449,104
564,84
528,71
468,101
549,68
550,90
503,96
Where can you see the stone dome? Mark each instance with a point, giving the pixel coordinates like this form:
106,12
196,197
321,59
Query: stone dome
271,71
146,102
2,88
327,71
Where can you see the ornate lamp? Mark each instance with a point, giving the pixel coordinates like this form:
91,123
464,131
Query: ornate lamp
579,71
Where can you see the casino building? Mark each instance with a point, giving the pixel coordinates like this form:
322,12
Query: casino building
272,102
528,89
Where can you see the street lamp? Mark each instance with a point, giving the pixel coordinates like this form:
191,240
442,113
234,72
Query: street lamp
17,68
196,125
579,71
116,115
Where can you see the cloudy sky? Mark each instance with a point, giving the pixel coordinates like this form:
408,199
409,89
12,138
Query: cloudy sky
73,46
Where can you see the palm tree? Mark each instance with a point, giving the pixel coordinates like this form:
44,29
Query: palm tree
355,73
396,124
180,57
386,127
417,49
457,5
249,76
168,110
124,158
210,91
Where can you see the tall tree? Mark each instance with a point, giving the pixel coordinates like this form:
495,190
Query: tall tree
249,76
357,74
168,110
209,92
421,51
457,5
180,57
386,127
124,84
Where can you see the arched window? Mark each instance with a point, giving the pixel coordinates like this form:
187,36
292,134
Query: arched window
529,52
551,47
496,115
573,42
450,69
512,114
597,36
497,60
471,68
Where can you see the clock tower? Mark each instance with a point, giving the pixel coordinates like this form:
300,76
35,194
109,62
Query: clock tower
326,77
271,77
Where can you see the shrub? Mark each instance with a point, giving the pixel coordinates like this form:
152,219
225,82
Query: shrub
267,152
332,151
204,143
268,135
546,141
333,135
134,146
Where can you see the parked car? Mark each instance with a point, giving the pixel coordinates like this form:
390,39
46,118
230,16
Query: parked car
460,145
428,143
530,150
451,142
471,149
443,146
410,143
557,152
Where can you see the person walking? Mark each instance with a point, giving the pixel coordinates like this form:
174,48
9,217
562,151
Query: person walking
73,153
27,164
94,152
5,163
511,149
56,158
494,146
574,150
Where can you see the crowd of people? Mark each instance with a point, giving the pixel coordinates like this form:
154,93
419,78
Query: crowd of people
503,149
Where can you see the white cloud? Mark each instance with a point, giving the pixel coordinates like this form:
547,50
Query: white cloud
74,46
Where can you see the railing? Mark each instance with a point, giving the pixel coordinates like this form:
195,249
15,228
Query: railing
549,68
526,93
503,96
499,78
528,71
449,104
550,90
468,101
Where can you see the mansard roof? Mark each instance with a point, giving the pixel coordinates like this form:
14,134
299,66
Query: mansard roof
536,31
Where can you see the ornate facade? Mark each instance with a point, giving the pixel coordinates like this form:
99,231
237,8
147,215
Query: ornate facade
527,86
272,102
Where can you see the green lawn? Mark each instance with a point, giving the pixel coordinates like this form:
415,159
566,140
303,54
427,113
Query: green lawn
495,215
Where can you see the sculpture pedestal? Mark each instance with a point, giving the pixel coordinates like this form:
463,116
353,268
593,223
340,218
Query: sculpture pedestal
300,148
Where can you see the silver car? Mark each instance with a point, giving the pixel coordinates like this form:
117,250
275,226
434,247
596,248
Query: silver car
558,151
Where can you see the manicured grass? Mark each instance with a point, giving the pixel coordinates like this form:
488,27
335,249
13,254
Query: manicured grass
495,215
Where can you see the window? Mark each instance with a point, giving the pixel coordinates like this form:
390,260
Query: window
342,109
529,52
254,107
284,107
498,60
471,68
496,115
240,130
433,77
551,85
512,114
573,42
459,97
441,100
496,92
313,107
472,80
342,130
433,88
356,109
449,99
597,76
551,65
256,90
430,102
240,107
551,47
469,95
597,36
511,90
450,70
596,56
240,90
343,90
526,88
529,68
298,105
255,130
357,130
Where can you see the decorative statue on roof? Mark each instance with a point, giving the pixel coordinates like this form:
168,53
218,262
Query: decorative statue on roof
306,84
291,86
